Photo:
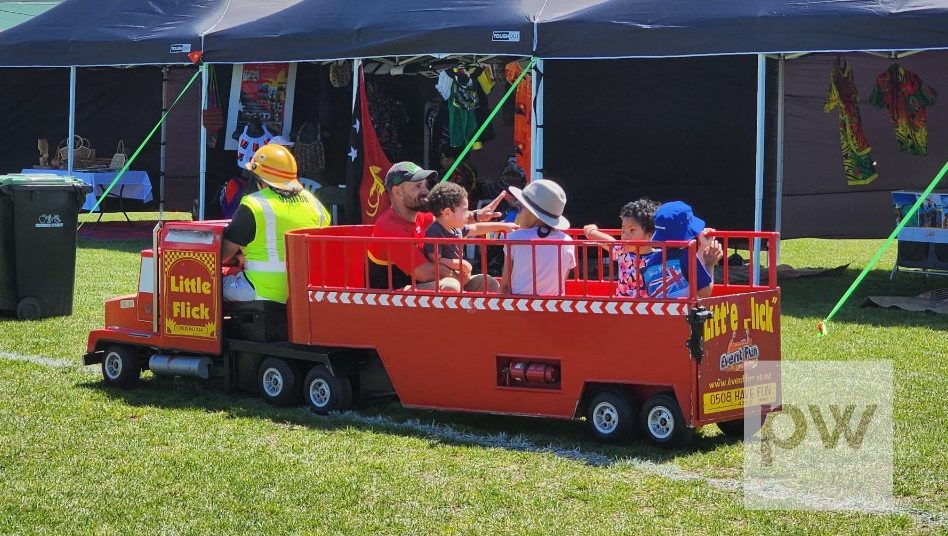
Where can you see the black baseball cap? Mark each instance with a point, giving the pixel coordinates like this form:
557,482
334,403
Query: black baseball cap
407,172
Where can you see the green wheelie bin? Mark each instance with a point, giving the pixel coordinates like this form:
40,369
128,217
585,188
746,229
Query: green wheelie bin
38,216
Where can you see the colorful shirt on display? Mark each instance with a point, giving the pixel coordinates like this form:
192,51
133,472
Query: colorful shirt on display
858,164
904,94
673,283
247,146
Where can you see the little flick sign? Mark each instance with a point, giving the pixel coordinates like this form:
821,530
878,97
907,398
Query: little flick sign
190,283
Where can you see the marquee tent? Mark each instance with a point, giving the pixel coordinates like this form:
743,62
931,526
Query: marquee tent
123,32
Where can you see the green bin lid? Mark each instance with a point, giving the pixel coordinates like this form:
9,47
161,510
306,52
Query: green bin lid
38,179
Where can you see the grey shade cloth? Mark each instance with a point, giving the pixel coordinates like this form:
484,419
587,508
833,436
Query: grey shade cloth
935,301
740,275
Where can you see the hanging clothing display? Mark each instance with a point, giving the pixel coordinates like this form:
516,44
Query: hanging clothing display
247,145
905,96
462,105
389,117
485,83
523,102
857,160
465,176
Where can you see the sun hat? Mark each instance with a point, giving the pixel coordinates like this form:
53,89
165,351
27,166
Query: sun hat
544,199
407,172
282,140
676,221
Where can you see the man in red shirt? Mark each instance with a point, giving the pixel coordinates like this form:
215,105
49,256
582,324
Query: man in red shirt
407,217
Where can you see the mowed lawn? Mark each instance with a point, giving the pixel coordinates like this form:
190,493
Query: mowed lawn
173,456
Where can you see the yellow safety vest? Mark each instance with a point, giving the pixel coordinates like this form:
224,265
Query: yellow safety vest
274,216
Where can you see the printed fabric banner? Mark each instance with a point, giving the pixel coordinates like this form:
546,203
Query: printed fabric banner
265,90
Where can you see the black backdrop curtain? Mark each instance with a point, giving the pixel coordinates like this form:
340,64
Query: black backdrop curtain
111,104
668,129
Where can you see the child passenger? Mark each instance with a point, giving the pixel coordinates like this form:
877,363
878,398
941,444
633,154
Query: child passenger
638,223
676,222
448,203
541,219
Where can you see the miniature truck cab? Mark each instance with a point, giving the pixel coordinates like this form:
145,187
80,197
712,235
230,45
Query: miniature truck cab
660,366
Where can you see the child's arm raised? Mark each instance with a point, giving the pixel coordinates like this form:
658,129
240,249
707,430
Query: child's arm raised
480,229
592,232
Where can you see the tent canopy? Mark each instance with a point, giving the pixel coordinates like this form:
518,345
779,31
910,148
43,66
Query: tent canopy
300,30
131,32
662,28
110,32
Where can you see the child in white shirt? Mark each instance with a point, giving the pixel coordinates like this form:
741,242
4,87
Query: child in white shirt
533,268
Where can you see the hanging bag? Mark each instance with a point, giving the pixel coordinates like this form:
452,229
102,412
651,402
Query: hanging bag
213,115
119,158
310,157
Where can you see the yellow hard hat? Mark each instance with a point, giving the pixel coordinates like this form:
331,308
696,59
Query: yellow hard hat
275,165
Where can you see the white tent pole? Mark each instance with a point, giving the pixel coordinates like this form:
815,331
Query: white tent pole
71,154
164,142
203,170
778,198
536,136
759,164
356,63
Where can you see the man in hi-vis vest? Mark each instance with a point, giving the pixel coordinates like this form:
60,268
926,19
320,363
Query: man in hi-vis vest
257,228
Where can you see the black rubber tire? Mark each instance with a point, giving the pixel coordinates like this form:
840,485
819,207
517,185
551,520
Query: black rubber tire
669,423
732,428
278,382
332,394
121,366
611,415
29,309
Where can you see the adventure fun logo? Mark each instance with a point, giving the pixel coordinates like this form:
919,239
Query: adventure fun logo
830,445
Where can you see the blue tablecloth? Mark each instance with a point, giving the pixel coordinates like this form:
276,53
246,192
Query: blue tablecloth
132,185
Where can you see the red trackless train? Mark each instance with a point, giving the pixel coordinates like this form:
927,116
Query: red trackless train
657,366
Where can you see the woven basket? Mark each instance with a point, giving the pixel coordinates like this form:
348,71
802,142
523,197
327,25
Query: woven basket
83,152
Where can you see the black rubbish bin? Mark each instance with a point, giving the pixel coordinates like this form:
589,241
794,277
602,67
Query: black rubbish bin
38,216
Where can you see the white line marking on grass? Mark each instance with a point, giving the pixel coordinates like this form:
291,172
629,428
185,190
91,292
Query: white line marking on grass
665,470
40,360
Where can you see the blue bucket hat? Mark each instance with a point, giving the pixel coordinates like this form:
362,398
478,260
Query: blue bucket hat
676,221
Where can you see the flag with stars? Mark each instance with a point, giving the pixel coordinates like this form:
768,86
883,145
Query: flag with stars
367,161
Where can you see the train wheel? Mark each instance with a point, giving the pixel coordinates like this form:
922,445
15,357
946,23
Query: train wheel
278,382
611,415
663,422
325,392
121,366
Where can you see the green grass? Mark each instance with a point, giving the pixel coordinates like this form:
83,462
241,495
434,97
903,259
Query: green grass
175,457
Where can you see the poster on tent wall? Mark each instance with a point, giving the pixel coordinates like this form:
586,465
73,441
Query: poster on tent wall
264,89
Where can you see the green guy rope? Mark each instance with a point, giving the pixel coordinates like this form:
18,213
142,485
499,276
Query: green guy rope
821,326
142,146
477,135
